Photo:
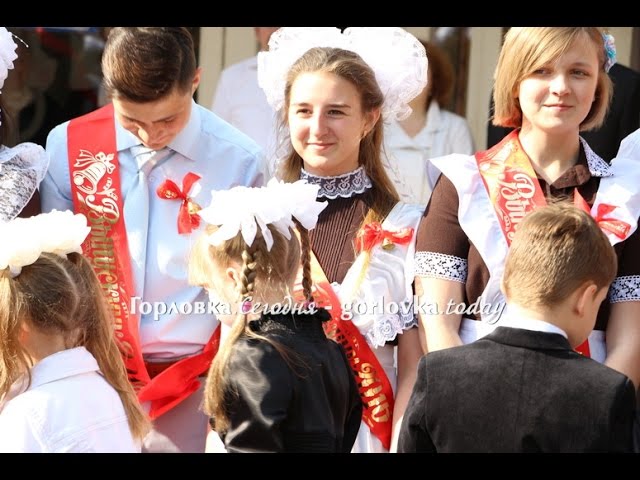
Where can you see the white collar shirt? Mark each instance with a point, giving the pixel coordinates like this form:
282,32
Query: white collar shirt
407,158
68,408
175,319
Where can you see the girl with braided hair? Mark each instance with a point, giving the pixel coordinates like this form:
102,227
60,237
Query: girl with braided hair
277,384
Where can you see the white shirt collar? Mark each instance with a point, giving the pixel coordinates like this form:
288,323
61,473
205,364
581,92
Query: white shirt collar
67,363
514,318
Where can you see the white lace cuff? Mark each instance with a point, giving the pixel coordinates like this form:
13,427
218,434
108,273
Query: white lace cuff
625,289
387,327
439,265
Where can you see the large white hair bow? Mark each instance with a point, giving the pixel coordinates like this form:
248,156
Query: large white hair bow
244,209
7,54
397,58
23,240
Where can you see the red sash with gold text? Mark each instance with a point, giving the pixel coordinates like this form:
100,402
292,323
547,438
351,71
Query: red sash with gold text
373,384
511,183
513,188
96,193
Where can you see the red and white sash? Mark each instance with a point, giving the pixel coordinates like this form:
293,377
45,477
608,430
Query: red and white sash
96,192
490,215
373,384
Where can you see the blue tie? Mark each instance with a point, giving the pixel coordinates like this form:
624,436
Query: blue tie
136,216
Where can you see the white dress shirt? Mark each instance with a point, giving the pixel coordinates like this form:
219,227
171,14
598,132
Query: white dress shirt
515,318
207,146
68,408
407,162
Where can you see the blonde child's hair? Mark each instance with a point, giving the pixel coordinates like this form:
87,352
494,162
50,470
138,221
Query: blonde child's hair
556,249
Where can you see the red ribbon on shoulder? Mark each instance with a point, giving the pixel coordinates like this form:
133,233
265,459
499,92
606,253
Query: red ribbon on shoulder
188,217
609,224
617,227
373,234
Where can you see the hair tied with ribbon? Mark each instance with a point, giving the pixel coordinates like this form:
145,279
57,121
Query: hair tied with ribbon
397,58
23,240
245,209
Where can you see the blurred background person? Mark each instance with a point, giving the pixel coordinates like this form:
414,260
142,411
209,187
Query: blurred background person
240,101
430,131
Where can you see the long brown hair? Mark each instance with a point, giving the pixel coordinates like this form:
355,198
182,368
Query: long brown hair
262,272
62,295
349,66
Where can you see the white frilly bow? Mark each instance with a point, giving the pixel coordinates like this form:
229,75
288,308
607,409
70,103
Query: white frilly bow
244,209
23,240
7,54
397,58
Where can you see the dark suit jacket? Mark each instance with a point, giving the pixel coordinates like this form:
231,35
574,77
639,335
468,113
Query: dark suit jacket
309,405
622,119
517,391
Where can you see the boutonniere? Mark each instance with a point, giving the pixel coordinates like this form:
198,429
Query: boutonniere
188,217
373,234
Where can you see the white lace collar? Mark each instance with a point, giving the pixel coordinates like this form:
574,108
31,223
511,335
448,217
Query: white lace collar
597,166
345,185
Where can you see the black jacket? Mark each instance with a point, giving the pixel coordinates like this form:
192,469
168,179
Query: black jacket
517,390
312,405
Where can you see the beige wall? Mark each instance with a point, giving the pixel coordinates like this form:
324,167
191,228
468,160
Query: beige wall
222,46
485,46
219,48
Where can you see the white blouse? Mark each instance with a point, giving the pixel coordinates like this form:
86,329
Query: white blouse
407,158
68,408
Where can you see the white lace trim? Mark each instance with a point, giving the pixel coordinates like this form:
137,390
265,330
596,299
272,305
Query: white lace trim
597,166
345,185
385,328
439,265
397,58
22,168
625,289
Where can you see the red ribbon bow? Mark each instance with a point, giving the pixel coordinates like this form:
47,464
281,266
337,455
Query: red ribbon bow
372,234
609,224
619,228
188,217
